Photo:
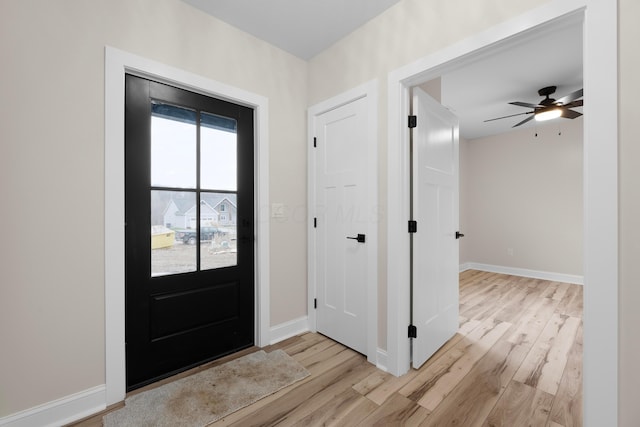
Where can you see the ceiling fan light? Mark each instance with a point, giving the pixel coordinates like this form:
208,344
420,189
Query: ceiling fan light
549,114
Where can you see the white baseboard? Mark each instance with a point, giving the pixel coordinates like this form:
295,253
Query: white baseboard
464,267
301,325
289,329
61,411
381,360
83,404
523,272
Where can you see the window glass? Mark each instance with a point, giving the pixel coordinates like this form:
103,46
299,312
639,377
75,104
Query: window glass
218,153
219,235
173,235
173,146
183,226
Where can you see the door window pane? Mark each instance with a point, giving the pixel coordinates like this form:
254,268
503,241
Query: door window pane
173,146
218,231
183,226
218,153
173,237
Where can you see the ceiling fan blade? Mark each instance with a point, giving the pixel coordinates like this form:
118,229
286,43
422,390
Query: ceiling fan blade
570,114
504,117
524,104
569,98
524,121
574,104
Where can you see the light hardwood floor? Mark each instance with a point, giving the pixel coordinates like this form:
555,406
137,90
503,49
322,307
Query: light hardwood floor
516,361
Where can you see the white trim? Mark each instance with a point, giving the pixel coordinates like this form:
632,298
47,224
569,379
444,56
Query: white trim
60,411
382,360
118,62
600,352
524,272
369,91
600,188
289,329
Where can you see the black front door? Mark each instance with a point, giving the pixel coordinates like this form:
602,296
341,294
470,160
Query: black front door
189,229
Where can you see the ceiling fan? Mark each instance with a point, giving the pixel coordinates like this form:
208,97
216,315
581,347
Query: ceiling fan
549,108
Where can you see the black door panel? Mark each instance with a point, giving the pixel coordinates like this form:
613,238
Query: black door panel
197,301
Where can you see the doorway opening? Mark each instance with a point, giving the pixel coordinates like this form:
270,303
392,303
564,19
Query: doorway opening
600,187
523,184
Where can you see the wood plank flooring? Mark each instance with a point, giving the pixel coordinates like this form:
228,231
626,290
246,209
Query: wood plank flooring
515,361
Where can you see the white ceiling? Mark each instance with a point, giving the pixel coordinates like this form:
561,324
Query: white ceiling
477,91
482,89
301,27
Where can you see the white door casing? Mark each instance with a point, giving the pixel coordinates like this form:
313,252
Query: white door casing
600,187
435,208
343,204
117,63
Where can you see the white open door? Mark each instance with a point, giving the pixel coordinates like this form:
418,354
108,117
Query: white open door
343,222
435,244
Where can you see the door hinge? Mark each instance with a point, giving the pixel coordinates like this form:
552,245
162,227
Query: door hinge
413,121
315,222
413,226
315,303
315,142
413,331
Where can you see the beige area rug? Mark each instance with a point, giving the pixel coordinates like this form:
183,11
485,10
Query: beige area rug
207,396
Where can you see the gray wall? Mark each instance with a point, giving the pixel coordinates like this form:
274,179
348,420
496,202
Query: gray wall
52,152
524,193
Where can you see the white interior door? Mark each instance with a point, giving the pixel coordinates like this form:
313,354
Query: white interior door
342,214
435,244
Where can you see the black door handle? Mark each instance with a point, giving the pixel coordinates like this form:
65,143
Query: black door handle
459,235
359,238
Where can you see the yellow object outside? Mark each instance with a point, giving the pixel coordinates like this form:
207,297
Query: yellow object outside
162,237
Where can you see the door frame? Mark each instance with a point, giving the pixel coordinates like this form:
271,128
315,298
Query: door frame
117,63
600,187
369,91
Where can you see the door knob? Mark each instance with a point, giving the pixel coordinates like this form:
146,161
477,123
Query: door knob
459,235
359,238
